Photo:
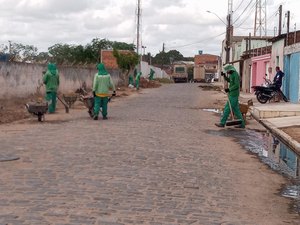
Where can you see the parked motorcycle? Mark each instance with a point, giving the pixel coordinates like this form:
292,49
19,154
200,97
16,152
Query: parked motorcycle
264,94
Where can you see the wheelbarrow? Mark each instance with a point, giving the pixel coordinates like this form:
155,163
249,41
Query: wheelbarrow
70,99
38,109
88,101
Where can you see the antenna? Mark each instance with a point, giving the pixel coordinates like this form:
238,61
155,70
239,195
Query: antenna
260,21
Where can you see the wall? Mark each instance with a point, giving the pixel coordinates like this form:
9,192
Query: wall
159,73
246,81
277,52
260,66
23,79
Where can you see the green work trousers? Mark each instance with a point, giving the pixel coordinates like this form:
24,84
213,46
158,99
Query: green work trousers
51,99
100,102
235,109
137,84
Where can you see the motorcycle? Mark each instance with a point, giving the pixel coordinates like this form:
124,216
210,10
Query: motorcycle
268,93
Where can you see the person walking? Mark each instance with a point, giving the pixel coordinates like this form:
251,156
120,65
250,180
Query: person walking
151,74
233,96
101,85
137,80
51,81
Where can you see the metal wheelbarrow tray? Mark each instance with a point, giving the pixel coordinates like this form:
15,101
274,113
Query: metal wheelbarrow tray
37,108
70,99
88,101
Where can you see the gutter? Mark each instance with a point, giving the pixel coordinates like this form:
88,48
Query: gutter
280,135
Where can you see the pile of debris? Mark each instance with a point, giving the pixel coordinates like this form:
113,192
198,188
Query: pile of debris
145,83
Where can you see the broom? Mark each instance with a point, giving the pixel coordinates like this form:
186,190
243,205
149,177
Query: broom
233,122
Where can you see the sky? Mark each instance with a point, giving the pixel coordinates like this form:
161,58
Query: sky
183,25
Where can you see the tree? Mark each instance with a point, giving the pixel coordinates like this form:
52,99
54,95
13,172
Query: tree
167,58
126,62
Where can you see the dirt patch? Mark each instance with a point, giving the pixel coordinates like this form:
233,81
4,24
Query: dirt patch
293,132
14,109
210,87
144,83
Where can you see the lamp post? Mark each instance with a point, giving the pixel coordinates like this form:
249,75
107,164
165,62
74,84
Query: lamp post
227,39
143,47
217,16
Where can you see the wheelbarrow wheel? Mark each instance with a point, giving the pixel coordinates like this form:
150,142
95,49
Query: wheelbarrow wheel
91,113
40,117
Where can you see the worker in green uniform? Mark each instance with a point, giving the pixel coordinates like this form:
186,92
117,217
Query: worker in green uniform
101,85
137,80
51,81
233,96
130,80
151,74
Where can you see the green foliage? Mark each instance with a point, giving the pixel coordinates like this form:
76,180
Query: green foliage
126,62
167,58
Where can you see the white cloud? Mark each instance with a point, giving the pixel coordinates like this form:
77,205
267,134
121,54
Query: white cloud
181,24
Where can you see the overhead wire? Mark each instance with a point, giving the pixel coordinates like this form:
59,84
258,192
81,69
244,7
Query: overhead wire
244,11
238,6
207,39
247,16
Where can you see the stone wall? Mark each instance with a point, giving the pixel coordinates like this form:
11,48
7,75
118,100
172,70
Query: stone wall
23,79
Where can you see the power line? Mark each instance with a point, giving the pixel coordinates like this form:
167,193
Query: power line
247,17
207,39
244,11
239,6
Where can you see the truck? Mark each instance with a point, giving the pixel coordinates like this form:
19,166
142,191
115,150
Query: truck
181,71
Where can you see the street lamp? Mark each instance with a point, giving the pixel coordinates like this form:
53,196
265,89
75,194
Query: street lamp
143,47
217,16
228,31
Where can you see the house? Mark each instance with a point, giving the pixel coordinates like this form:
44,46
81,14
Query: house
242,49
291,67
206,67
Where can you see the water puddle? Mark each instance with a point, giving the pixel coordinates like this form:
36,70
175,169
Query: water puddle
212,110
256,143
291,192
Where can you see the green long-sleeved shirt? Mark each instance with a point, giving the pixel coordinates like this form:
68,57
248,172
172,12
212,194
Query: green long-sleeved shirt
234,84
51,81
102,84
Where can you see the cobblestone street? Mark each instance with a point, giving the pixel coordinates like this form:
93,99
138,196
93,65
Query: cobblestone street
152,162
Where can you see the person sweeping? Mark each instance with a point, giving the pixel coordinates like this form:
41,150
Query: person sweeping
51,81
101,85
233,97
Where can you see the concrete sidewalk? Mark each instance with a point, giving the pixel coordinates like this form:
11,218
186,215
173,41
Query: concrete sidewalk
275,117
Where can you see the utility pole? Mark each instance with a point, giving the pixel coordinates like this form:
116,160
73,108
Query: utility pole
138,26
287,27
280,20
227,47
229,29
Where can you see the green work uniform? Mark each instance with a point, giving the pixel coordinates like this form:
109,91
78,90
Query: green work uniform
137,80
151,75
101,85
233,96
51,81
130,80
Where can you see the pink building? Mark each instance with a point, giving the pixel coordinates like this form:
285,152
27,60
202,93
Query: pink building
260,67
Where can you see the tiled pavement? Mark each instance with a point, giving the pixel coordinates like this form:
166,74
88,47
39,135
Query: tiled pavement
150,163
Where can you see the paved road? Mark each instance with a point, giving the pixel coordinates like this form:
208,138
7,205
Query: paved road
156,161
